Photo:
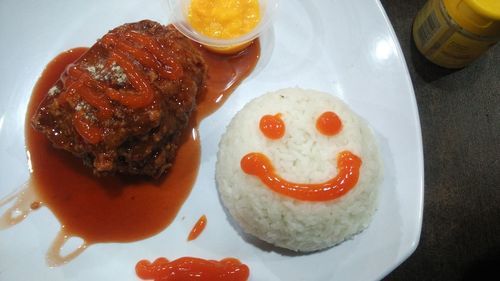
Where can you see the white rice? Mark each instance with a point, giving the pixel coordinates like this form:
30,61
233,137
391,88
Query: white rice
301,155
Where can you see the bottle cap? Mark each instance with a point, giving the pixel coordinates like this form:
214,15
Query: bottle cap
481,17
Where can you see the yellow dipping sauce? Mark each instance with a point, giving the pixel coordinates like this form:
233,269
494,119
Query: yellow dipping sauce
224,19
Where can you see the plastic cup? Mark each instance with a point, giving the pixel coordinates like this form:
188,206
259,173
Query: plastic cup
179,17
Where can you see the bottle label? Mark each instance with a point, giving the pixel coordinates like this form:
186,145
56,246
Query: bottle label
439,38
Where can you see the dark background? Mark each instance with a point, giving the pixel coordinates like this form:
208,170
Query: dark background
460,119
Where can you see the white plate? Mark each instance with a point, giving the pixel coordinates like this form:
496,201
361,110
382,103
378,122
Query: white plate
344,47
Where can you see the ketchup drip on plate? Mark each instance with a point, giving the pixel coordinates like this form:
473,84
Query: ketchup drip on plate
198,228
119,208
192,269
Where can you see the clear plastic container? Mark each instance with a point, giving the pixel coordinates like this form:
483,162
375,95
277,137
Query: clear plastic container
178,12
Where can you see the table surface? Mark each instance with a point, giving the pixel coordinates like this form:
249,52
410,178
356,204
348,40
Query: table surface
460,119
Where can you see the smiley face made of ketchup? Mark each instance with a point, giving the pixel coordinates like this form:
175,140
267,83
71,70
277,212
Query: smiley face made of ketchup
307,146
259,165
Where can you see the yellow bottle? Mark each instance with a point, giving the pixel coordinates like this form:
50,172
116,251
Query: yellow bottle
453,33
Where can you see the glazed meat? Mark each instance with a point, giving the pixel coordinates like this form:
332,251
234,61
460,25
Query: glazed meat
123,105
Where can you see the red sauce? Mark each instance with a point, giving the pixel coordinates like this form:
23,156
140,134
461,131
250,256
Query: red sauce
348,165
82,83
150,54
173,69
329,123
232,68
108,209
272,126
147,51
192,269
145,94
35,205
198,228
90,132
122,208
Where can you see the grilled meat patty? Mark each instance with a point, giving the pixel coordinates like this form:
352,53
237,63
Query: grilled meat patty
123,105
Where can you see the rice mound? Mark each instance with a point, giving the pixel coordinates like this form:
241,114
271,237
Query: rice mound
302,155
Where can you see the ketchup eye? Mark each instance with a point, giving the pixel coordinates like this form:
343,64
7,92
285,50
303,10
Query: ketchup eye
329,123
272,126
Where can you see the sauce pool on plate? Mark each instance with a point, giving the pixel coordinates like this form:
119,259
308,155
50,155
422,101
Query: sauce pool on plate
106,209
118,208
